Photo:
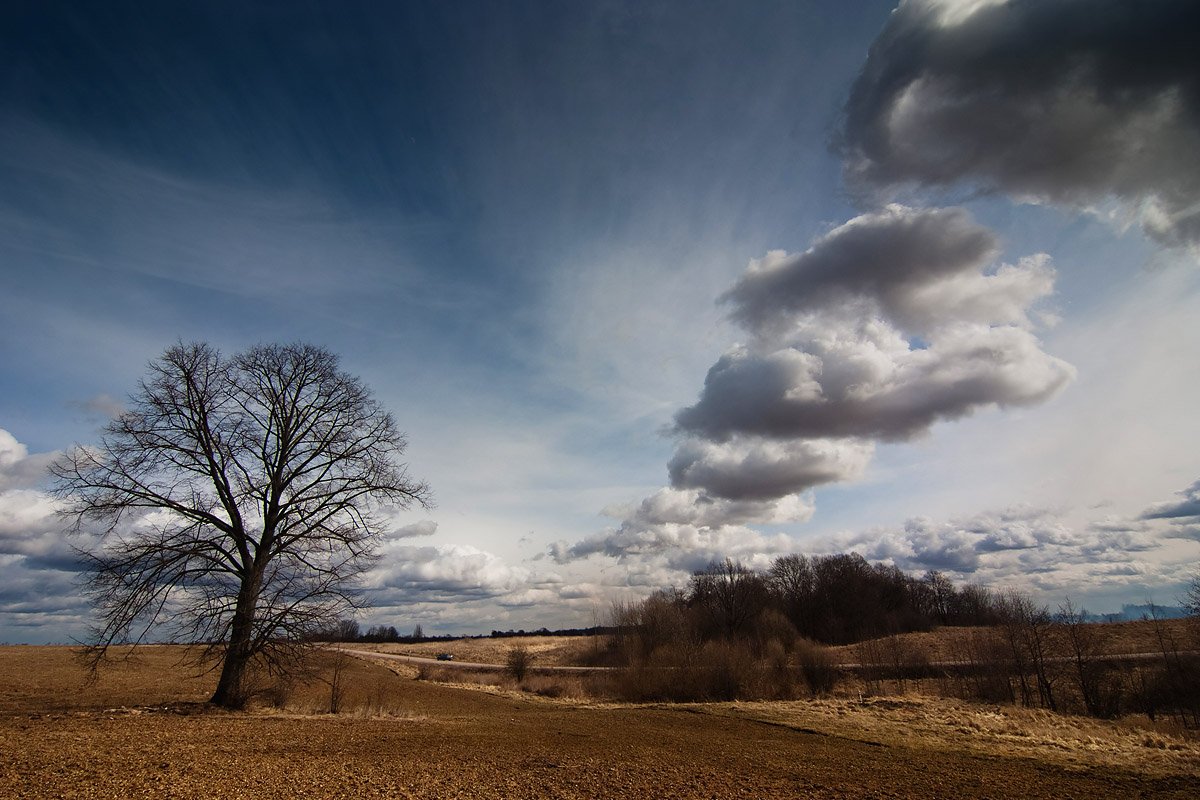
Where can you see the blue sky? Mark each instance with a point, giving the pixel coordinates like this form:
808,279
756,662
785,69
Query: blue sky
516,222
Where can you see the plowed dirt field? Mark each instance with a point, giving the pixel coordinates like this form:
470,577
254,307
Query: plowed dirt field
422,740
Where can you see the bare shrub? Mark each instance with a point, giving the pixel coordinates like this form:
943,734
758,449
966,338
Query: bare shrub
279,694
518,661
817,666
981,671
870,665
556,686
773,628
337,680
726,671
778,679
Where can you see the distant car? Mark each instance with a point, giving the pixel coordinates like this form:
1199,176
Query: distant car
445,656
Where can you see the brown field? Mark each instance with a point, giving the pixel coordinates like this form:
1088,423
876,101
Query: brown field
139,731
1116,638
547,651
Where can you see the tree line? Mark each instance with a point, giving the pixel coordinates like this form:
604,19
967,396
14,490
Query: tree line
736,633
834,599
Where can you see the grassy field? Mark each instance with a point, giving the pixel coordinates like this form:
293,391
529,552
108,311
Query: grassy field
140,730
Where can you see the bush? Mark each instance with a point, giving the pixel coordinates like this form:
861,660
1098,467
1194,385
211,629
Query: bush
518,662
817,666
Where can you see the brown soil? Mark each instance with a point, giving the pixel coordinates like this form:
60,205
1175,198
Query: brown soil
408,738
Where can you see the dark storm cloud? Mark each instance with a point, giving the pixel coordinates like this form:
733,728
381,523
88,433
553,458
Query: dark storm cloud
1073,102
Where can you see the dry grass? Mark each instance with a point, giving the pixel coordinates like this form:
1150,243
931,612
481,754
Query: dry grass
947,644
1073,742
547,651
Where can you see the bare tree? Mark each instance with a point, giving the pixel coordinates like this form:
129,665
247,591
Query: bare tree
730,596
1191,599
238,499
1085,649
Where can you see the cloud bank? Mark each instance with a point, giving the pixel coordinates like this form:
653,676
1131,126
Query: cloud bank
1183,514
888,324
1076,103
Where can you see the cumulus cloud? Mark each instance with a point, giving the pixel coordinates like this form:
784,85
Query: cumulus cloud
891,259
1071,102
687,529
441,573
886,325
29,527
19,469
38,561
757,469
1003,546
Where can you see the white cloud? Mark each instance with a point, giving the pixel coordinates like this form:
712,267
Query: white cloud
441,573
19,469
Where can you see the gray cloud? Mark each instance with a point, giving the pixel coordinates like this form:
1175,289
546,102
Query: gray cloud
888,324
888,258
1186,507
685,527
786,394
889,340
1071,102
1009,546
102,407
749,468
39,563
425,527
441,573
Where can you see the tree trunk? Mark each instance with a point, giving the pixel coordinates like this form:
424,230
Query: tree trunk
231,688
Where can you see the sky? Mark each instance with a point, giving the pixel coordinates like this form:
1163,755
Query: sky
646,284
